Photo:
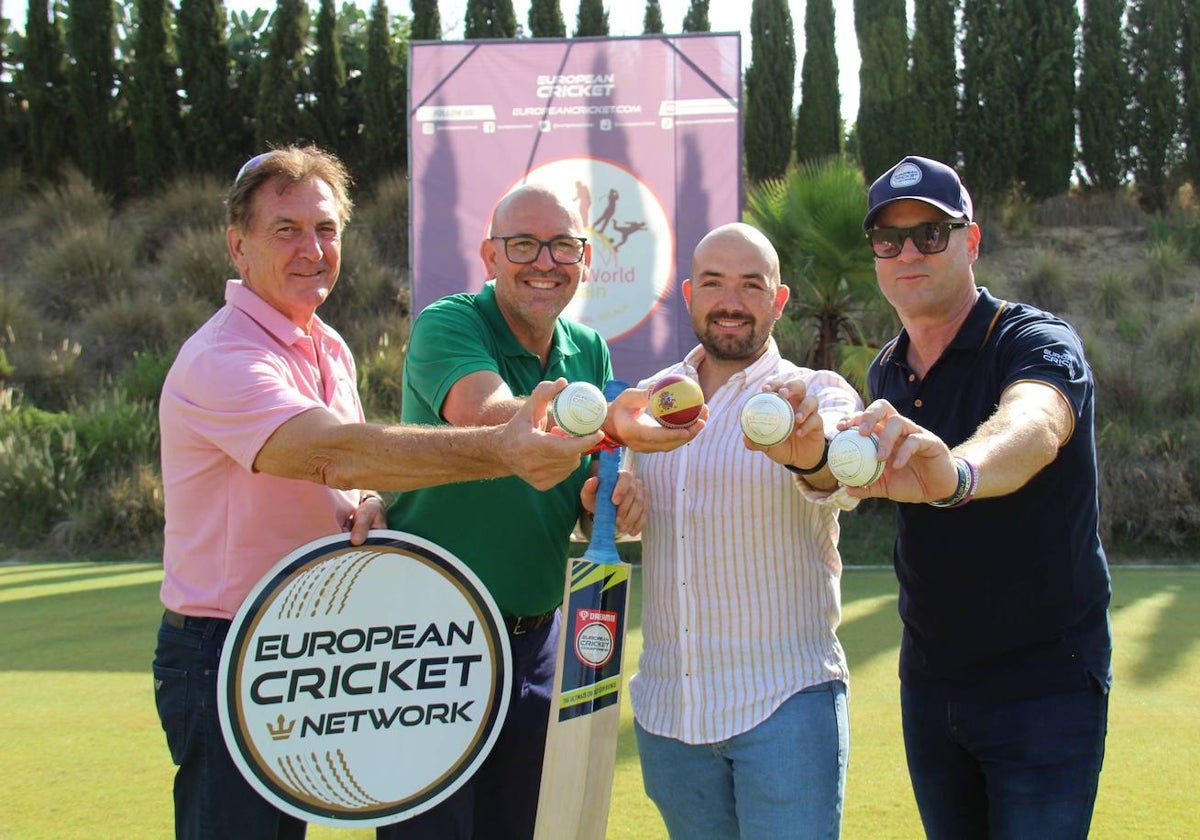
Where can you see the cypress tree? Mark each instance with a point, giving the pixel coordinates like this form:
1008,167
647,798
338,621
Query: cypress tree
933,81
1104,90
546,20
652,23
592,19
491,19
154,102
10,117
278,116
91,76
770,86
382,109
696,19
248,38
329,82
43,79
1190,57
426,21
1048,111
991,125
209,126
1153,59
818,119
883,117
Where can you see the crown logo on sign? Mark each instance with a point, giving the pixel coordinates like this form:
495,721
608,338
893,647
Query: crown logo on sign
282,730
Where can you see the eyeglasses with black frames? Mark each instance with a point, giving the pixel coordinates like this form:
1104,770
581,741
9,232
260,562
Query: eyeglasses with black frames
564,250
928,237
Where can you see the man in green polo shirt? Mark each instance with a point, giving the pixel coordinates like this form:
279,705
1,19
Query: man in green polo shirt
472,360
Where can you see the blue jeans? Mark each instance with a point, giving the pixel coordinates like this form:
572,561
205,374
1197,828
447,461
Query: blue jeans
1006,769
213,801
500,800
784,778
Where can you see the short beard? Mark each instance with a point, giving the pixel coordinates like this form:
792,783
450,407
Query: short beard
729,348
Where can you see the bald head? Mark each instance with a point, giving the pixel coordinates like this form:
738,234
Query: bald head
738,238
534,201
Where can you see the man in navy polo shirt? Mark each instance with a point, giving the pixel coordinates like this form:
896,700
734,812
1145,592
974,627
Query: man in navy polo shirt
984,411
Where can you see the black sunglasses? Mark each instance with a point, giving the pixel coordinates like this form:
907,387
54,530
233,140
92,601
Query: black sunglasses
929,237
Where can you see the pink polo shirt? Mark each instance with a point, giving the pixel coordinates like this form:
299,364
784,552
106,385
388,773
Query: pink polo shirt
235,381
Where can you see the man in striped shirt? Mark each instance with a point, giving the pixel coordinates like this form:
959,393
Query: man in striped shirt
740,698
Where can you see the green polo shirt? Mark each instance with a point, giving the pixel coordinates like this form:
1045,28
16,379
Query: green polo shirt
511,535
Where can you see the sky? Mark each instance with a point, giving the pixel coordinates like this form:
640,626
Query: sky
625,17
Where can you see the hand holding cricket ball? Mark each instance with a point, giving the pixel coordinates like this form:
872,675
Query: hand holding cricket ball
914,464
783,422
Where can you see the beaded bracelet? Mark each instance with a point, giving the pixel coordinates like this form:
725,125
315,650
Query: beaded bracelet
968,482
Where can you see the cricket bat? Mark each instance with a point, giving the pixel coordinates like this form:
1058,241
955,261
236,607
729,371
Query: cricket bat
581,743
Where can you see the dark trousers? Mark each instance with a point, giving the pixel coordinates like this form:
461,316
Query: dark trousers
1007,770
213,801
500,801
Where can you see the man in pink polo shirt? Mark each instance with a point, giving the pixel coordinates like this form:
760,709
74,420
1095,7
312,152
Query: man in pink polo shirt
264,448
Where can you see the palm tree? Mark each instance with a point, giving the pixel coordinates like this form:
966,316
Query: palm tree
813,215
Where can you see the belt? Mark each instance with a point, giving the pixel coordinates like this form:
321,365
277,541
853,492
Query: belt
179,620
521,624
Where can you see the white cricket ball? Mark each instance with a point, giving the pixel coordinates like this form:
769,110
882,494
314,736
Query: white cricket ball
767,419
579,409
852,458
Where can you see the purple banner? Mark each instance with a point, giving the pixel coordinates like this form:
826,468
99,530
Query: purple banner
643,134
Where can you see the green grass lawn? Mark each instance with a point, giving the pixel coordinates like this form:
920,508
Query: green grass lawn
85,758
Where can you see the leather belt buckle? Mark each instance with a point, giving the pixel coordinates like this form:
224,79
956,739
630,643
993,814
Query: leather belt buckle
522,624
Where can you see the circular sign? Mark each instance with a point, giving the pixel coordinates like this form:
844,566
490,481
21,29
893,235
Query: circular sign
362,685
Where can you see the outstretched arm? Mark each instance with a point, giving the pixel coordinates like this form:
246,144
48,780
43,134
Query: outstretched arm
1024,434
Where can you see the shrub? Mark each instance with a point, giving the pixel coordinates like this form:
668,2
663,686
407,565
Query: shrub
1128,387
46,373
134,322
1181,229
1163,269
1046,283
367,303
196,263
73,203
1150,482
1093,208
1113,295
1176,344
115,432
41,473
142,379
1017,215
381,379
193,202
383,216
78,269
125,510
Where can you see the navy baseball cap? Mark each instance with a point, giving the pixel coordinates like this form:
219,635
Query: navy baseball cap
920,179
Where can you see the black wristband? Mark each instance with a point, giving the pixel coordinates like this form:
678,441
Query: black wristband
813,470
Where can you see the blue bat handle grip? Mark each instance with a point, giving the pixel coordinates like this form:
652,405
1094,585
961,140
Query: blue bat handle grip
603,545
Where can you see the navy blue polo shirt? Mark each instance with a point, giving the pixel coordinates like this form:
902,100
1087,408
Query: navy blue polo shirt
1005,597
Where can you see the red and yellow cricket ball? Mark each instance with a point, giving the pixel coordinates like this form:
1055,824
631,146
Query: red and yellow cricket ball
676,401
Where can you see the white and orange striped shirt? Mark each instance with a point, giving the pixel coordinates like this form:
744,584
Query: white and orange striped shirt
742,577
